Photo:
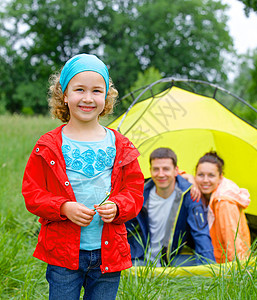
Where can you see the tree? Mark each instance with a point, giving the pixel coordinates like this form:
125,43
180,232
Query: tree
41,36
245,85
249,5
252,89
144,79
180,38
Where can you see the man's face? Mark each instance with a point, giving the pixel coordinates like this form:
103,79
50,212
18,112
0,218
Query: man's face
163,173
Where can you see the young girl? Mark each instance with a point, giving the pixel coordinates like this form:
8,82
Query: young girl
70,172
226,202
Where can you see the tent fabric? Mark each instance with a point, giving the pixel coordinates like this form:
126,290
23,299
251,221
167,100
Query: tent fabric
226,269
192,125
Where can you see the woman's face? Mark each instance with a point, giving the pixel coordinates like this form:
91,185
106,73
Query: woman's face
207,177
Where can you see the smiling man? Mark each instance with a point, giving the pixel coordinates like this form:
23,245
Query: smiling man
171,229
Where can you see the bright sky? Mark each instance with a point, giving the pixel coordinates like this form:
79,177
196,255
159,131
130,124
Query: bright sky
242,29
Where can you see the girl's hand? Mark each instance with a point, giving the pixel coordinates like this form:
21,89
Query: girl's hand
78,213
107,211
195,193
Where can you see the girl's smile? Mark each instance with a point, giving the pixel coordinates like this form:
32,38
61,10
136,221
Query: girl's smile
87,108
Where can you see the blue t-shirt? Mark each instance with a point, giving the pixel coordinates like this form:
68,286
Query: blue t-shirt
89,168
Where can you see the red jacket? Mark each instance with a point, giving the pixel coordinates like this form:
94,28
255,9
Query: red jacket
46,187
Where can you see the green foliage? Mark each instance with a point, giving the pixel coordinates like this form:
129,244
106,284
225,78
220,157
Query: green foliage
245,83
236,282
249,5
144,79
179,39
2,105
130,36
174,37
21,275
252,89
30,96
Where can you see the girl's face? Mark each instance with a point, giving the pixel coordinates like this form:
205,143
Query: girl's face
85,96
207,177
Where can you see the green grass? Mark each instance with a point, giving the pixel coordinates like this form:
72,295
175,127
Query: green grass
23,277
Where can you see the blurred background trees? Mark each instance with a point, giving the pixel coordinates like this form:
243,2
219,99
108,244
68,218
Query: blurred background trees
139,40
250,5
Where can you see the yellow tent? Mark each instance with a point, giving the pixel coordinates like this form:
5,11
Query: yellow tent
191,125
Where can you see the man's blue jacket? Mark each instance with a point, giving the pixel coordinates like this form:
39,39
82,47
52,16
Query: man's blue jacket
190,227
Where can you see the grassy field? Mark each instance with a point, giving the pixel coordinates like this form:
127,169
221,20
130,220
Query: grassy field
23,277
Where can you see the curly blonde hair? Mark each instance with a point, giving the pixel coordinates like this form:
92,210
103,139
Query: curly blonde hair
61,111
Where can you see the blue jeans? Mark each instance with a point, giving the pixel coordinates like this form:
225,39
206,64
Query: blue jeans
66,284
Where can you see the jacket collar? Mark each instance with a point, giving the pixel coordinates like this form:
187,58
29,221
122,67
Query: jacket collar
182,184
126,151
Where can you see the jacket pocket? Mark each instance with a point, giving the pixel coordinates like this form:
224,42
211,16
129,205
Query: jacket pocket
53,235
200,217
43,221
121,239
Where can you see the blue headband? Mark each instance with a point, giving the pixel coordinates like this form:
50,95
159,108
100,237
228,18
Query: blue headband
80,63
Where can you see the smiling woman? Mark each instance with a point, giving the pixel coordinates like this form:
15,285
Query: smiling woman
207,178
226,201
209,174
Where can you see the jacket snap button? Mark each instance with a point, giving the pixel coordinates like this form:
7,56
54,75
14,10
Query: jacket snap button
66,183
106,242
106,268
37,149
52,162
